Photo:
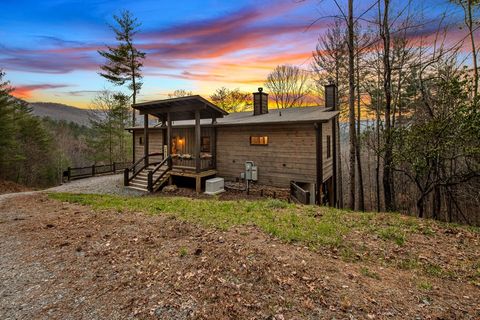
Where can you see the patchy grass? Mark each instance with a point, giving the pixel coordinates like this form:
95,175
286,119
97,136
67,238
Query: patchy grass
425,285
369,273
392,240
393,233
286,221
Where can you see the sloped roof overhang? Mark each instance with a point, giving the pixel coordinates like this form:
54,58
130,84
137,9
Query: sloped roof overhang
183,108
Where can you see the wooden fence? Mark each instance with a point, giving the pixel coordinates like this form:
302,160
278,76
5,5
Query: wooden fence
94,170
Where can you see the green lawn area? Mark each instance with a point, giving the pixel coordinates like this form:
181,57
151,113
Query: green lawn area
310,225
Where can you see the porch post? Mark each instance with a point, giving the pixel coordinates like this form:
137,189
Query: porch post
145,138
213,141
334,144
319,156
197,141
169,138
133,145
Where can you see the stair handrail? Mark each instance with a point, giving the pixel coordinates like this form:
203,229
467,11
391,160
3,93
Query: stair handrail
126,174
150,180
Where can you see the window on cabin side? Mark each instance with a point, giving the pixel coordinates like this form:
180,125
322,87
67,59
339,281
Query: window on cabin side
140,141
258,140
205,145
329,146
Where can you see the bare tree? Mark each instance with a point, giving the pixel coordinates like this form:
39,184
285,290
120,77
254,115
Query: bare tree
468,7
362,41
351,103
109,121
384,32
231,100
329,63
180,93
289,86
329,60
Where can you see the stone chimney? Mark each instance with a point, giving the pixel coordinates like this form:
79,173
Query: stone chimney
331,96
260,102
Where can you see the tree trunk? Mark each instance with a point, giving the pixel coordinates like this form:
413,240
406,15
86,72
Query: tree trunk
387,86
377,133
474,50
361,195
420,207
134,100
351,105
339,153
437,203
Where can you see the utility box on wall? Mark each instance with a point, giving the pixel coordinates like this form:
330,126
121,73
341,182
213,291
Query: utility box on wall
251,171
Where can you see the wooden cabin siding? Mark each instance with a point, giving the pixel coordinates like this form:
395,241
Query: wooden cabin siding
155,143
189,135
289,155
156,140
327,162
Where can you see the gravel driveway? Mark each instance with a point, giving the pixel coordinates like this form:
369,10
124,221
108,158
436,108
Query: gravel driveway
110,184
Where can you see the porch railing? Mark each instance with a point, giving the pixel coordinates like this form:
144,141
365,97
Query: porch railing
150,181
132,171
189,163
298,194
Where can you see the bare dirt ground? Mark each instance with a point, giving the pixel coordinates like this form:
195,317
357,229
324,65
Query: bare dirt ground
9,187
65,261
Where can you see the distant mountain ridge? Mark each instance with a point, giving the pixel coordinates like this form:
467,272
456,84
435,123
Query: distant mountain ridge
58,111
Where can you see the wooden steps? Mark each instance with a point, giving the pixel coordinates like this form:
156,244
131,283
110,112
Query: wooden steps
140,182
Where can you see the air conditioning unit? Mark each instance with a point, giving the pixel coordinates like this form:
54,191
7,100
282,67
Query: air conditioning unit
214,186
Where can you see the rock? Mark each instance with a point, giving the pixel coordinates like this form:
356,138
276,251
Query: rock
170,188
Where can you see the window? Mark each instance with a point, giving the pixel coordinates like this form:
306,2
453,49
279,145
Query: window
140,141
205,145
258,140
329,146
178,145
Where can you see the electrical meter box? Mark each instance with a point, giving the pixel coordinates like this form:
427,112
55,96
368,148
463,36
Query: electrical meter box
251,171
248,170
254,173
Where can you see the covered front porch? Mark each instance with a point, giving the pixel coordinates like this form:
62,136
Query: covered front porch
183,143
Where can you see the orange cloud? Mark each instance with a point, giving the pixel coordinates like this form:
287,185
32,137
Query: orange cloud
26,91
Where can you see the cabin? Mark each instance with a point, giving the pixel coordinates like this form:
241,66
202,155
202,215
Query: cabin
193,139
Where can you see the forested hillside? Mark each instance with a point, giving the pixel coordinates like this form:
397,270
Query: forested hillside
61,112
36,147
419,151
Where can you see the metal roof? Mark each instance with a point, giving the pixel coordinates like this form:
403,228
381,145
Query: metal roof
274,116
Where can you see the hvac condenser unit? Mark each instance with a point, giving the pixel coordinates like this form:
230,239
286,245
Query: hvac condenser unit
214,186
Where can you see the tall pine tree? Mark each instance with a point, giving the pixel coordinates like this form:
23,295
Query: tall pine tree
124,61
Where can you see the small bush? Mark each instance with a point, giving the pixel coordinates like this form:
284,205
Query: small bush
183,252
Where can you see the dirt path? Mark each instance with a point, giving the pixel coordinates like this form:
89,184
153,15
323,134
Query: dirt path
63,261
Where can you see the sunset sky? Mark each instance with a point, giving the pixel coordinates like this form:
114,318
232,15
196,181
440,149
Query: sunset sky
48,48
